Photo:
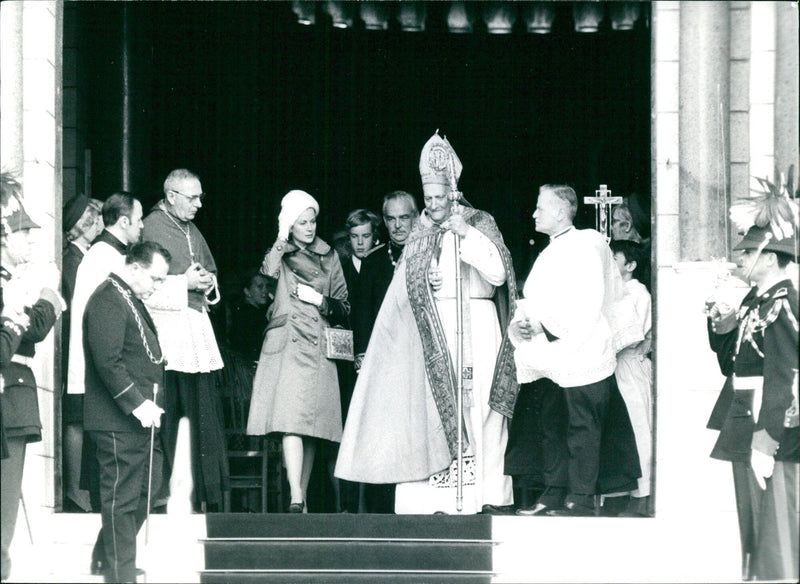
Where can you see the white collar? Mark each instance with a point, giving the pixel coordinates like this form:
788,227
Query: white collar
562,232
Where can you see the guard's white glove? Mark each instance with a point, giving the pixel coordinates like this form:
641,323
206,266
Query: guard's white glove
722,315
149,414
309,295
21,291
284,226
54,298
763,465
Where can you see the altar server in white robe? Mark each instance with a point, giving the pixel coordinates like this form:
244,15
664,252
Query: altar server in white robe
568,328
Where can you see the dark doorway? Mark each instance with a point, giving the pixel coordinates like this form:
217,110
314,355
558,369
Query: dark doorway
258,104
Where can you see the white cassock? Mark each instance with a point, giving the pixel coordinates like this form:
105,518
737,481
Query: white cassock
634,378
100,260
575,291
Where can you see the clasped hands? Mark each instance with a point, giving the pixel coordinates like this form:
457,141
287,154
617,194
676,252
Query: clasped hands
198,278
525,329
149,414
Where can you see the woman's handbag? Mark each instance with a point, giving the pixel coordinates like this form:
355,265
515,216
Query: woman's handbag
339,343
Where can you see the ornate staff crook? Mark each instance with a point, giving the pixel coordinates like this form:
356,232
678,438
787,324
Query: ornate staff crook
454,197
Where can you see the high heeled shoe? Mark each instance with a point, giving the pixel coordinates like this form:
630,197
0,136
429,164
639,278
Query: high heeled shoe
297,507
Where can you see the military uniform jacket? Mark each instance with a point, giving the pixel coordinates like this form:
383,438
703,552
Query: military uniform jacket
20,401
119,373
757,408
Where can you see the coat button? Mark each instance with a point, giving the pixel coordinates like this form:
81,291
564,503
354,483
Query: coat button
294,339
316,273
314,318
294,316
20,380
315,342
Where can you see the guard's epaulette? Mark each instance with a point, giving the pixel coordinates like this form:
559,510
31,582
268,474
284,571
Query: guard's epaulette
374,249
781,292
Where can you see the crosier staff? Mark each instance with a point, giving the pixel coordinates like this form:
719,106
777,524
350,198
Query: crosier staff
455,197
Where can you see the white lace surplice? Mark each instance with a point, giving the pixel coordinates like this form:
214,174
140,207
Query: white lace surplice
186,335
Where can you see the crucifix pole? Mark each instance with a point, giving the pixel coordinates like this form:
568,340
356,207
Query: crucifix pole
602,202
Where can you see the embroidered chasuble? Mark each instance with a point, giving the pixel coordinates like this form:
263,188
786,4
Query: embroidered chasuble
402,423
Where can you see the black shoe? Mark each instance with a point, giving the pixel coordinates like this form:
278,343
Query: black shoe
572,509
637,507
497,510
297,507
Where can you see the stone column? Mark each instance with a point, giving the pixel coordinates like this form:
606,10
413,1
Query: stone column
787,136
762,91
704,106
11,87
30,33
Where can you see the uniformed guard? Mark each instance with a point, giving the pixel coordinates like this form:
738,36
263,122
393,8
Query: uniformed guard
30,308
756,412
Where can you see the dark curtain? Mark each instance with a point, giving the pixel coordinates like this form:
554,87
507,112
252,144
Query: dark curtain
258,104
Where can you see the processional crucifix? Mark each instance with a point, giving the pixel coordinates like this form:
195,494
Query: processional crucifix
602,202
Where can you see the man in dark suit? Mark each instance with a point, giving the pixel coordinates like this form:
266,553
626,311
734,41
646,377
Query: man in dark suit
377,269
124,363
31,312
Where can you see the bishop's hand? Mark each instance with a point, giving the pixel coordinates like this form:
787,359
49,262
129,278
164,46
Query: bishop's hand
456,224
435,276
198,278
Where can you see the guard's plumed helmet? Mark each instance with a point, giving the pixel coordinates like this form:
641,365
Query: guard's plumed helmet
13,217
769,217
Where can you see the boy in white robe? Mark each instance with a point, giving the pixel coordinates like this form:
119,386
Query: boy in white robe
635,369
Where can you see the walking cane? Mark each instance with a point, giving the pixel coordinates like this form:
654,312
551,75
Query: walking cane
454,198
25,513
150,473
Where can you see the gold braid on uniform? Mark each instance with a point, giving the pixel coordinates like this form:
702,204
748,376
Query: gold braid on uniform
126,295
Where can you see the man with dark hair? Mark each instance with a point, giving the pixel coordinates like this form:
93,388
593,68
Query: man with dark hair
124,365
565,331
757,410
631,222
399,215
181,313
248,314
377,269
122,216
31,311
